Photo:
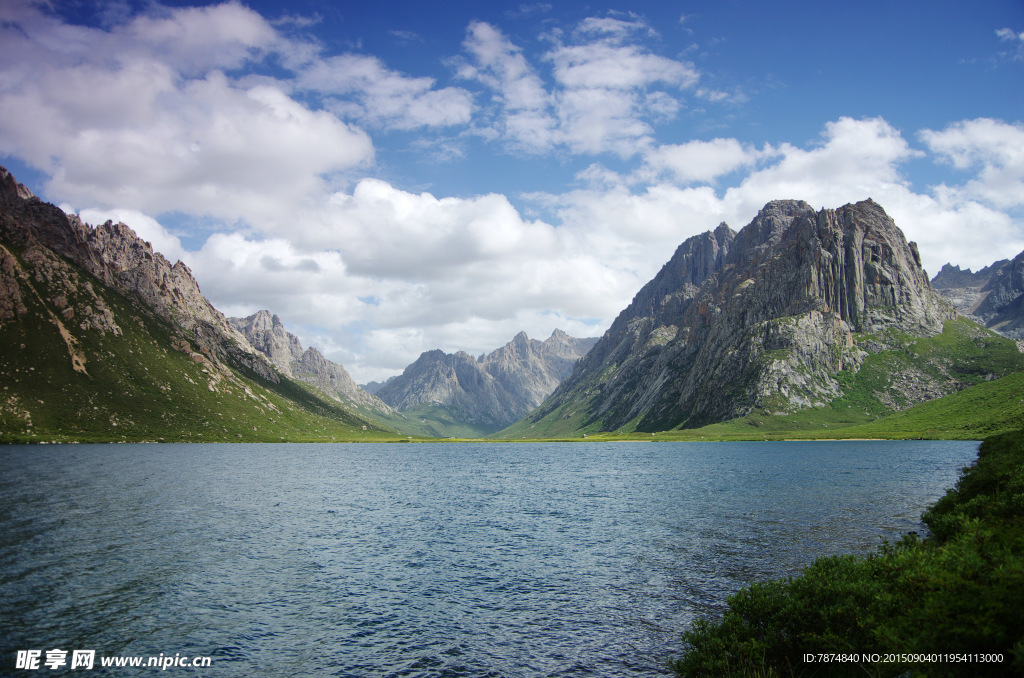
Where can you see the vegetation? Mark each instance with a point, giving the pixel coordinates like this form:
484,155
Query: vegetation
437,421
939,606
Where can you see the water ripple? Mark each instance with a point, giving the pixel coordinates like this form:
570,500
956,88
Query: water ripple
427,560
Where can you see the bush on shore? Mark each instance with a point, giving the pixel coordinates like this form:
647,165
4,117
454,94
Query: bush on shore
955,597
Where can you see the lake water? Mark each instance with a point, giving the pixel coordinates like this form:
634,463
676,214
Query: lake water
582,559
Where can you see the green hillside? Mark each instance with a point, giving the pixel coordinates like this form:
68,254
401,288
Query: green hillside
62,382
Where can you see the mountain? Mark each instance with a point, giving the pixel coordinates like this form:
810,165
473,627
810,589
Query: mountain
266,333
485,394
101,338
994,296
799,309
373,387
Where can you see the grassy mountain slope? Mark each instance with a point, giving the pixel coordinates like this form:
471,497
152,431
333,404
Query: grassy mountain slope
66,377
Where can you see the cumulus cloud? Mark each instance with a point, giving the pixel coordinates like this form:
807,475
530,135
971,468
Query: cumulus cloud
607,87
382,97
143,115
608,65
698,161
853,160
386,264
524,117
150,113
992,148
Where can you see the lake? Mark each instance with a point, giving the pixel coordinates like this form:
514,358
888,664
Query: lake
572,559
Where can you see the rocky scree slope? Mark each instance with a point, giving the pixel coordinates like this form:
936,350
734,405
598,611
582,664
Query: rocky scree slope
764,318
994,296
494,390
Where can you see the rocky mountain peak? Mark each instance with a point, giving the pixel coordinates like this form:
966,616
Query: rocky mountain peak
11,190
119,258
994,296
794,283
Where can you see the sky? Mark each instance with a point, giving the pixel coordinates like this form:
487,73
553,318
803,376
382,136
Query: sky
395,177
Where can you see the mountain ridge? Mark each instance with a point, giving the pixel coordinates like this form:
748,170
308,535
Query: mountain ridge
491,391
266,333
994,296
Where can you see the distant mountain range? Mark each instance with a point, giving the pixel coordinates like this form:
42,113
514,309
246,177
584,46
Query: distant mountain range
440,394
488,393
266,333
994,296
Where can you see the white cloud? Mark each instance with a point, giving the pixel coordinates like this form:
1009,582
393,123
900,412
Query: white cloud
856,159
698,161
617,67
384,97
1015,40
615,29
141,116
524,103
994,149
605,95
196,39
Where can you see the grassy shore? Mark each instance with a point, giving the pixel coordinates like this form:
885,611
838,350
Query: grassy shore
951,604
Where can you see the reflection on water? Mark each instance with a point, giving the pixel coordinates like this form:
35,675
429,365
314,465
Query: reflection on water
427,560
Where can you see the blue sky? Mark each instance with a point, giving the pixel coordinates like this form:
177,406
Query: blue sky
394,177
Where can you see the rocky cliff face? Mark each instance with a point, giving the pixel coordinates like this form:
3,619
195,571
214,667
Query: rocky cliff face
994,296
491,391
266,333
762,318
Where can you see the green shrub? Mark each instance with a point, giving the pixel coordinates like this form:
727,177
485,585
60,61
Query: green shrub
961,590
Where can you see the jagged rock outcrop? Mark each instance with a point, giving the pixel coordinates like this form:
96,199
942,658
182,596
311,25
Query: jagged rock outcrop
994,296
762,318
491,391
266,333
